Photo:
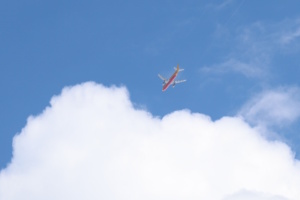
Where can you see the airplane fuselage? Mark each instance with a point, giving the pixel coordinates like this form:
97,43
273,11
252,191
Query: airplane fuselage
170,81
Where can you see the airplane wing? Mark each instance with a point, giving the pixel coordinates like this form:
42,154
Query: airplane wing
162,78
179,81
180,70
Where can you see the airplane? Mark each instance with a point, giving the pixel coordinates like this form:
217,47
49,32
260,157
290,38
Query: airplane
171,80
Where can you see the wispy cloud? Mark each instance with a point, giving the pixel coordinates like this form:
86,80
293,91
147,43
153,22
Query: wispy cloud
290,33
276,107
253,47
220,6
224,4
287,38
249,70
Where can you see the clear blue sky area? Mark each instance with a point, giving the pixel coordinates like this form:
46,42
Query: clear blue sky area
231,50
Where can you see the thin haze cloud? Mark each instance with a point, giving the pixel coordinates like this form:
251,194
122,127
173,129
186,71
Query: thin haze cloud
255,46
289,37
91,143
232,65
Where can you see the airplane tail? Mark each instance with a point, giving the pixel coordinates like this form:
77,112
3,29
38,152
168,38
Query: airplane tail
177,69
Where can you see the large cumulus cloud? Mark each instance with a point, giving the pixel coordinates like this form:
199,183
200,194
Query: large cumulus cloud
91,143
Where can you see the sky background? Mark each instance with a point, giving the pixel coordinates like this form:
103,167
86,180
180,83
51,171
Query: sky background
237,55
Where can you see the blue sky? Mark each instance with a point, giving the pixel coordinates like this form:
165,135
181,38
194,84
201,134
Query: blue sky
233,52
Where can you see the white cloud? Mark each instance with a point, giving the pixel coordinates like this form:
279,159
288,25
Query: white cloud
91,143
274,107
253,47
290,31
221,5
224,4
288,37
246,195
233,65
249,52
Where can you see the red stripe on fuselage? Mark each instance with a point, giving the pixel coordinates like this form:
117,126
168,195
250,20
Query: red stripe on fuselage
170,81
